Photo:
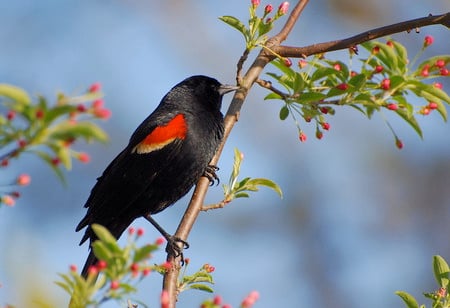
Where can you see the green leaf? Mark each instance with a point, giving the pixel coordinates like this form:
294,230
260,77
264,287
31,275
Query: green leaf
408,299
201,287
237,24
86,130
267,183
143,252
441,271
410,119
14,93
241,195
357,82
402,56
101,250
103,234
284,113
272,95
310,97
289,72
58,111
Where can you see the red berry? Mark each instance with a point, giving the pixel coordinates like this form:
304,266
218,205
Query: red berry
165,299
302,63
324,110
440,63
319,134
15,194
437,85
39,113
217,300
146,271
283,8
22,143
92,270
95,87
428,40
432,105
134,267
23,179
101,265
326,126
385,84
342,86
114,285
379,68
81,108
302,137
425,110
392,106
425,72
7,200
98,103
102,113
84,157
444,72
11,115
140,232
166,266
287,62
160,241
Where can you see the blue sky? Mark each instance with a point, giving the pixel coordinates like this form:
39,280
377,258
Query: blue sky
359,219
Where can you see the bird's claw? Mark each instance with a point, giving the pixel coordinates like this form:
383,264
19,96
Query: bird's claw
210,174
174,249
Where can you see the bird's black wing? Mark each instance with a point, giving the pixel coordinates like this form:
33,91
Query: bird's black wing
112,199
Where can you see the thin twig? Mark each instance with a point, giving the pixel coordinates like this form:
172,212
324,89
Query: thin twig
219,205
301,52
268,85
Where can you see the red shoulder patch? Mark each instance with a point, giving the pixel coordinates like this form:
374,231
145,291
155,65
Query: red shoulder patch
163,135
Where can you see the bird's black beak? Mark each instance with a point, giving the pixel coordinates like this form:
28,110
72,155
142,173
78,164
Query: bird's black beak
225,88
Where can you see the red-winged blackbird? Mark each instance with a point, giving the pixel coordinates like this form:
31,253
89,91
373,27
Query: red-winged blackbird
165,157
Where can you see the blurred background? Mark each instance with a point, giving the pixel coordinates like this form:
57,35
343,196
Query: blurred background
359,219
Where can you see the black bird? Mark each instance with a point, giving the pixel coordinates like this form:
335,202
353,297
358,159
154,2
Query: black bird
164,158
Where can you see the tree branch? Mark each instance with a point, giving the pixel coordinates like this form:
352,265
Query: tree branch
246,82
301,52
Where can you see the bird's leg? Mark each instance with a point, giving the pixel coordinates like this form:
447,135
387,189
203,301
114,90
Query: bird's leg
210,174
172,248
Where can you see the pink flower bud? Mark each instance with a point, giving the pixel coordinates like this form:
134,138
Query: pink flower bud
255,3
84,157
302,137
283,8
428,40
385,84
165,300
23,180
7,200
95,87
268,9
